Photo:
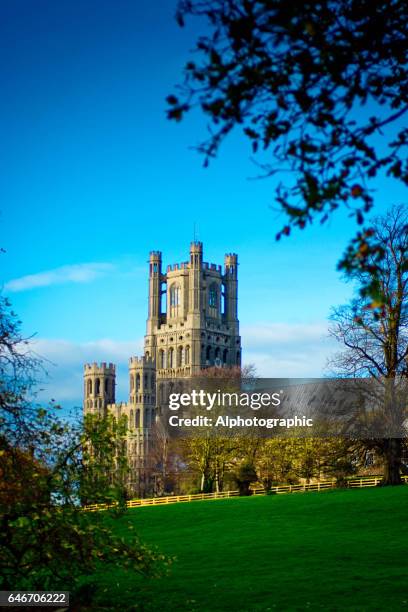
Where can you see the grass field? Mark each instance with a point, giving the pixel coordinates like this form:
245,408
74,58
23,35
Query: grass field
338,550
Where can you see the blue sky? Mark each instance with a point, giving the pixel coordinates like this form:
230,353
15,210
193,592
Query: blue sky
93,177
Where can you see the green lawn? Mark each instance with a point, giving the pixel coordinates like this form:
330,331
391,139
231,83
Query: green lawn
338,550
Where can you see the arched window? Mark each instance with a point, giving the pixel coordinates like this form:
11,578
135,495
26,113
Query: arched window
145,383
131,419
225,356
213,296
217,353
174,295
162,359
137,382
97,386
132,382
187,356
208,355
137,418
171,358
106,385
180,356
89,386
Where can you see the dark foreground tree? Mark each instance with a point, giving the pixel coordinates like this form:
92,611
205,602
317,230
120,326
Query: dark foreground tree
47,540
244,476
375,335
320,89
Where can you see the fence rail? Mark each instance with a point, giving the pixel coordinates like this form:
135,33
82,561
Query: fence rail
323,485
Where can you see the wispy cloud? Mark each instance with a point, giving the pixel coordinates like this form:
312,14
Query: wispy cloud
287,350
77,273
65,360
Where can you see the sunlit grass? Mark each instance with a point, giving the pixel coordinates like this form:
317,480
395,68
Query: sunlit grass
338,550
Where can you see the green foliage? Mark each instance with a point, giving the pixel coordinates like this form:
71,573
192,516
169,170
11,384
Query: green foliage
319,89
291,76
104,459
48,467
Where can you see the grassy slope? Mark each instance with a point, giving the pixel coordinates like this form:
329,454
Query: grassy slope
339,550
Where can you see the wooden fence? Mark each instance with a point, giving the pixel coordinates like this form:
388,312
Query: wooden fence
323,485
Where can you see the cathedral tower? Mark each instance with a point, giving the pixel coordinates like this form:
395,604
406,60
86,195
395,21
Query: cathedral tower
198,325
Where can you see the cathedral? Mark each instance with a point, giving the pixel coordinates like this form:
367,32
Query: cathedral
192,324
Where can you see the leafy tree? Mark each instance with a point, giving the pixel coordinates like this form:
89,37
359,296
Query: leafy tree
104,459
320,89
374,336
212,452
244,476
47,540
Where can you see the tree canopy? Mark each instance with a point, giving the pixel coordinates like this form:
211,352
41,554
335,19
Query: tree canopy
311,84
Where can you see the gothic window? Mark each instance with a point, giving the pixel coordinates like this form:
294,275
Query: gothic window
132,382
145,384
106,385
174,295
225,356
213,296
162,359
187,356
217,353
180,356
131,421
171,358
175,300
89,386
97,386
137,382
137,418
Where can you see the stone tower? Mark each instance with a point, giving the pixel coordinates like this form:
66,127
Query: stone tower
99,387
198,327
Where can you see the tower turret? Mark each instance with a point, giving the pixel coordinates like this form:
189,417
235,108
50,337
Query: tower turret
142,375
195,284
231,287
99,387
155,281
